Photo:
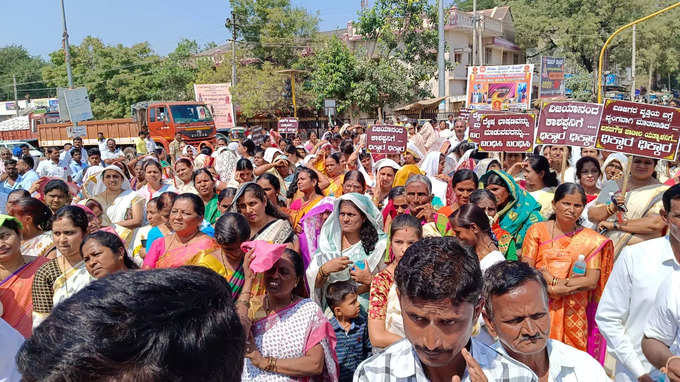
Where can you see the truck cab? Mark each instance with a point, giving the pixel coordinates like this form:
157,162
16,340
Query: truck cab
165,118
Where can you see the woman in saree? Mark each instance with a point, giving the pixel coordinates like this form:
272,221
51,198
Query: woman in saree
266,221
232,230
353,181
36,225
63,276
272,187
292,340
243,174
540,182
123,208
104,253
16,277
335,173
186,245
485,200
385,170
517,210
641,220
351,247
463,183
307,184
183,173
205,185
432,166
614,166
552,247
155,184
588,173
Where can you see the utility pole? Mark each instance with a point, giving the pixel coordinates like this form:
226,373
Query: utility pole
16,103
632,69
233,49
474,32
440,57
67,52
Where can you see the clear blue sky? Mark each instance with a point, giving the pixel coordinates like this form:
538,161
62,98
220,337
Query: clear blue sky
37,24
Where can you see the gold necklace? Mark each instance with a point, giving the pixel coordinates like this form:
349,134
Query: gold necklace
184,244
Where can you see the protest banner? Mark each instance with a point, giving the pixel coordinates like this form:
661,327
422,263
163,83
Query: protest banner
552,77
218,99
639,129
502,87
475,123
288,125
510,132
568,123
386,139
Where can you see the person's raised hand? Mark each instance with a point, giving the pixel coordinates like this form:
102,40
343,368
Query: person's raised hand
248,258
474,370
336,265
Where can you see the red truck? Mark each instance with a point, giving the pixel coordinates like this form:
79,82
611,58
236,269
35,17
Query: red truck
161,118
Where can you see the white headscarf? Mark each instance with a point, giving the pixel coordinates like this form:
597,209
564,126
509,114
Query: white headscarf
622,159
413,149
385,162
270,153
101,187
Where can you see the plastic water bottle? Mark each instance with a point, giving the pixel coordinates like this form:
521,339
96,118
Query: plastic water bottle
579,267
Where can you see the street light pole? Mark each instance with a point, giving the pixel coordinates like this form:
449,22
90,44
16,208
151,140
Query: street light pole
474,32
67,52
233,49
440,57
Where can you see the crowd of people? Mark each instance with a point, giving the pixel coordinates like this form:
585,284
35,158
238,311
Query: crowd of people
308,258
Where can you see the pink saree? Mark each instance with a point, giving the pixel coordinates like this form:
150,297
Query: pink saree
290,333
205,252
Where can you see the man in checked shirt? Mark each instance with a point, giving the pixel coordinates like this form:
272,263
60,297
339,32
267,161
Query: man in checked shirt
439,285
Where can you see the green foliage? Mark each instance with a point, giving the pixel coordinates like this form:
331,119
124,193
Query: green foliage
333,72
581,85
15,60
379,82
274,29
174,77
466,5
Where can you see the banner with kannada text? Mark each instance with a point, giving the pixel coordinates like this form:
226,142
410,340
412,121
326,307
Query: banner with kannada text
568,123
510,132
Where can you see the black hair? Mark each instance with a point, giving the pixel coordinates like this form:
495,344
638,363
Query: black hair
186,162
228,192
507,275
355,175
75,214
673,193
23,145
336,157
196,201
258,150
496,179
539,164
41,214
469,214
154,201
152,162
292,190
94,151
249,145
205,150
582,162
396,191
112,242
12,224
478,195
363,154
463,175
347,147
56,184
259,193
24,193
273,180
244,164
438,268
74,151
406,221
166,199
367,233
202,171
28,160
121,336
337,291
298,264
94,203
231,228
10,161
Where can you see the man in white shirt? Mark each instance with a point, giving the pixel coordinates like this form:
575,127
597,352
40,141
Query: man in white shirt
623,310
439,286
459,132
10,342
111,153
51,167
101,141
516,311
65,157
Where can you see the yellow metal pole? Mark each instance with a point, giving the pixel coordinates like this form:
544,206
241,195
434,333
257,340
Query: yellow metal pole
292,88
606,43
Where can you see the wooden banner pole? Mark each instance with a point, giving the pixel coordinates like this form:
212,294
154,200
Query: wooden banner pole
563,170
626,176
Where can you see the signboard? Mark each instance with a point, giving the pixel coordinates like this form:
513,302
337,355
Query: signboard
475,123
78,104
386,139
288,125
568,124
639,129
509,132
503,87
218,98
61,104
552,77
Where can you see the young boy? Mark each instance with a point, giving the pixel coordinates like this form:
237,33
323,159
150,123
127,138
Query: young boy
351,328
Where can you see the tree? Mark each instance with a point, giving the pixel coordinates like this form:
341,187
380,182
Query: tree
174,77
274,29
405,48
15,60
332,73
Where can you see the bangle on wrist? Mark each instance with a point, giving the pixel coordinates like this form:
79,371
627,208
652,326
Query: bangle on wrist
616,225
323,273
